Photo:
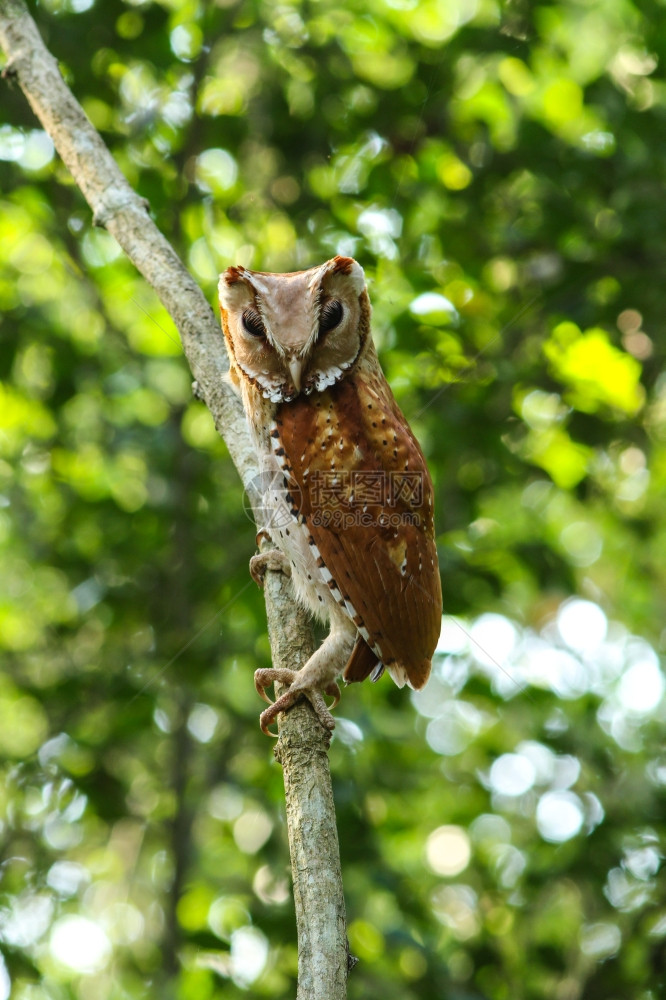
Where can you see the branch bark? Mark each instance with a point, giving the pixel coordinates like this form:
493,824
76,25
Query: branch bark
302,746
323,952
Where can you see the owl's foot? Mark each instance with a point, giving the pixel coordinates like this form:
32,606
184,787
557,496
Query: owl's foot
273,559
300,686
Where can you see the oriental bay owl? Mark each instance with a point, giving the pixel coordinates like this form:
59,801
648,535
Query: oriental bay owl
347,494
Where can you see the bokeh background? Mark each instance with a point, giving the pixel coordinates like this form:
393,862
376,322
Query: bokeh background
499,171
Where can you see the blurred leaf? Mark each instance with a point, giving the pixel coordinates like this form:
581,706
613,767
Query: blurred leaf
597,373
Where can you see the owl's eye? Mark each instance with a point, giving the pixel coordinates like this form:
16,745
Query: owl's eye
253,323
330,315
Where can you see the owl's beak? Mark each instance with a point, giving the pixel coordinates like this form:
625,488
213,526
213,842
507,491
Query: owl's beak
296,370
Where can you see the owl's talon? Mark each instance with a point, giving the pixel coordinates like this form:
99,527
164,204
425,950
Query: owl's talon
262,694
265,720
333,691
288,700
321,709
264,677
273,559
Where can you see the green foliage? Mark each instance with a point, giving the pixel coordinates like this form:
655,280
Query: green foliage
496,170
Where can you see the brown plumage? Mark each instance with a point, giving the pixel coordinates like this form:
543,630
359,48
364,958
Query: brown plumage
348,497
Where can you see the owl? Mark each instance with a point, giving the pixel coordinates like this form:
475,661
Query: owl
347,497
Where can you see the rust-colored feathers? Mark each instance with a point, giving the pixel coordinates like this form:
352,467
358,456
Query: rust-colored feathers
367,500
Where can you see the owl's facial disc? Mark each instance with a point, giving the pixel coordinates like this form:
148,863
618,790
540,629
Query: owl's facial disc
294,333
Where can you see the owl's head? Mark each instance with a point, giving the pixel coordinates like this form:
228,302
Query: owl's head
298,332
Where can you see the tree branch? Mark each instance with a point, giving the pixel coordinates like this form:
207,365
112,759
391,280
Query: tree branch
125,215
323,955
323,952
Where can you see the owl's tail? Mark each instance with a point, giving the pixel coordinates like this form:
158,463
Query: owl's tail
362,662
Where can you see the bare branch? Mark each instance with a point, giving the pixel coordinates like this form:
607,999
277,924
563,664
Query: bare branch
323,959
125,215
323,952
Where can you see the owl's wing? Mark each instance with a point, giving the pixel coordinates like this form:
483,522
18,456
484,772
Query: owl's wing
367,500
